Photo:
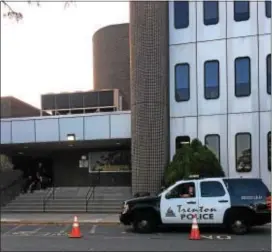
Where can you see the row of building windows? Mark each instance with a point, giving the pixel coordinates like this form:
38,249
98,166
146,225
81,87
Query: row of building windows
243,149
211,12
242,68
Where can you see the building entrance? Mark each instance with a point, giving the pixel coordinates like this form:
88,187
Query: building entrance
35,167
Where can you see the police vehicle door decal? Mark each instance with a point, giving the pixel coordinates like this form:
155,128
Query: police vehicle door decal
176,203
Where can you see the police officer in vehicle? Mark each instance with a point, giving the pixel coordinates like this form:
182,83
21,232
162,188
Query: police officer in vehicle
190,192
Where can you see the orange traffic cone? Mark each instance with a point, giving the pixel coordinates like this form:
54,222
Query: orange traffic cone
75,233
195,234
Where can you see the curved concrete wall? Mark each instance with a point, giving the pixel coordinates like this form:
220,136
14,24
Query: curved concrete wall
149,93
111,60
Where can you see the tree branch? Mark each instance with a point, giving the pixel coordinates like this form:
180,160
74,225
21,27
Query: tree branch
11,13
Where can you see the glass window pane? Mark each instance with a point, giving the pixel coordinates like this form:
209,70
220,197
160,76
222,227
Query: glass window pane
212,189
268,8
182,82
268,73
241,10
213,143
181,140
242,77
211,14
181,14
269,150
243,152
211,79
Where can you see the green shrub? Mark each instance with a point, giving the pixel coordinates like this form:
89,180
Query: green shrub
193,159
5,163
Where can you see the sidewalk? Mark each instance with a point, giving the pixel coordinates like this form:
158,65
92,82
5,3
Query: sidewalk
58,218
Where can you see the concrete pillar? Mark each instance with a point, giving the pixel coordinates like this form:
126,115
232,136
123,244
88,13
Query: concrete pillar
149,74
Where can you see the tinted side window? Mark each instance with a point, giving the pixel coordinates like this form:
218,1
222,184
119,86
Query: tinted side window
181,14
182,82
241,10
211,13
211,79
246,187
268,8
269,150
243,152
242,77
213,143
212,189
268,74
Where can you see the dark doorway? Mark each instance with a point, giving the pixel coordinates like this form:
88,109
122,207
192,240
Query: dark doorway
31,165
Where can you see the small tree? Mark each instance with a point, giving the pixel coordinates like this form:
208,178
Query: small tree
193,159
5,163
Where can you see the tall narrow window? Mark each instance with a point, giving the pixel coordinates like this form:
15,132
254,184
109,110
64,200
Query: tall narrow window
213,143
210,12
181,14
243,152
211,79
241,10
268,8
268,74
269,150
182,82
181,140
242,77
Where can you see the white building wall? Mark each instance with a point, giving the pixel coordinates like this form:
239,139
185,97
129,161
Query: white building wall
227,115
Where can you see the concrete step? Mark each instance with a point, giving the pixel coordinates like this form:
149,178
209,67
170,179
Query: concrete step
66,199
65,204
23,207
56,203
22,210
29,199
71,200
30,204
102,211
66,211
102,201
64,208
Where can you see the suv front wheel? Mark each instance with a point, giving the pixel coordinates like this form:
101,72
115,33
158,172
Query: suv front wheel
144,222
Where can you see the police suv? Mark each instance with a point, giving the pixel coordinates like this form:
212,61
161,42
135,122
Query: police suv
235,203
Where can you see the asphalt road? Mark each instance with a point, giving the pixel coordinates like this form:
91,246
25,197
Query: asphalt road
119,238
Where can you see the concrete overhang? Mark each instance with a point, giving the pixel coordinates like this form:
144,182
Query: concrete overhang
38,149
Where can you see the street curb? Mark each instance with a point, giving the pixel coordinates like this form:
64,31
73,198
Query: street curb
26,222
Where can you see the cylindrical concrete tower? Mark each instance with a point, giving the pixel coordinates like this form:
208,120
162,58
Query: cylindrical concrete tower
149,78
111,60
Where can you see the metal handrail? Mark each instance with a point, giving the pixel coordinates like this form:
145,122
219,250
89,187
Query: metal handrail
89,194
48,196
91,191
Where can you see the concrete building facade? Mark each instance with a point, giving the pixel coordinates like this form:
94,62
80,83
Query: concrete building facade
220,81
194,70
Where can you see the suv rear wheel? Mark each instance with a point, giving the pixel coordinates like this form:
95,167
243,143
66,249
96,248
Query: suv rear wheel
239,223
144,222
